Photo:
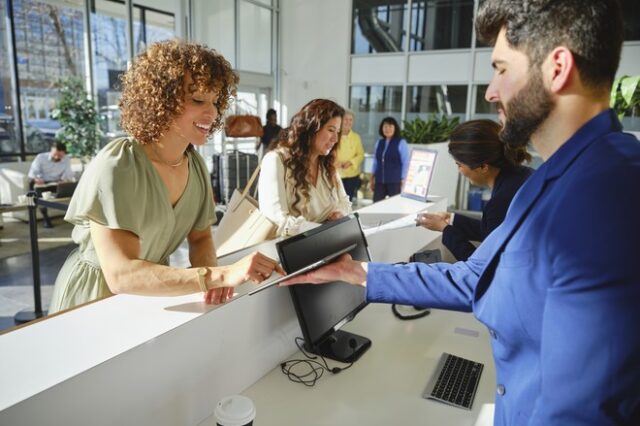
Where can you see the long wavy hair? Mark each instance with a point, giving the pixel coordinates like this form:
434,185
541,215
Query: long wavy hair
295,144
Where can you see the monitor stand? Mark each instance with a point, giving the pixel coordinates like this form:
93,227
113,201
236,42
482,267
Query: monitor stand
342,346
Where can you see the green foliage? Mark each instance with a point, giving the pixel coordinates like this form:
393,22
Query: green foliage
625,95
78,119
435,129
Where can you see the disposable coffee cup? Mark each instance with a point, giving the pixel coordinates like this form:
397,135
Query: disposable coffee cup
47,195
235,410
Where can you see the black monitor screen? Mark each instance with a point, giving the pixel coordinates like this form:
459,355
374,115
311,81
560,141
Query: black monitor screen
322,309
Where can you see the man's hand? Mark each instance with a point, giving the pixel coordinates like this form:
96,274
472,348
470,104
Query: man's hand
344,269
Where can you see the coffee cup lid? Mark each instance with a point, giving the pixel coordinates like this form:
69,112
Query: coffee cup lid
235,410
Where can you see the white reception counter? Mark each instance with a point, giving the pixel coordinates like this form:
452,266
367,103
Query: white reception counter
132,360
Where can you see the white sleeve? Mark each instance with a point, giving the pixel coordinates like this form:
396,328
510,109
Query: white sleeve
273,197
344,205
35,170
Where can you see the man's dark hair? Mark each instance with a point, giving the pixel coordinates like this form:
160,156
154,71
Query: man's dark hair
59,146
591,29
271,112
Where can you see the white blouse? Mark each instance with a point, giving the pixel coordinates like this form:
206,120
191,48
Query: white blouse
276,195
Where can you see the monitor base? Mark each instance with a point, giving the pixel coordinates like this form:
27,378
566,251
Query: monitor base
342,346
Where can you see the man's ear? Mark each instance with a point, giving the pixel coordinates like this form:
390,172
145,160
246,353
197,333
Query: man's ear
559,69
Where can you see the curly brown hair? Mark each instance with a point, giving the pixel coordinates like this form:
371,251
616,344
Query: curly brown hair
295,142
153,88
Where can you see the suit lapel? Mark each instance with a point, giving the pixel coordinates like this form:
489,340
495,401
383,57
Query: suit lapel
602,124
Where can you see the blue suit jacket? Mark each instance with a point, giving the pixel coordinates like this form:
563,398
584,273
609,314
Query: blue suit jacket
558,285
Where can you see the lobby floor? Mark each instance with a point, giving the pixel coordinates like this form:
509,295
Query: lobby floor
16,276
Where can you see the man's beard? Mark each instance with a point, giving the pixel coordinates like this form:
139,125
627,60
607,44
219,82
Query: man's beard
526,112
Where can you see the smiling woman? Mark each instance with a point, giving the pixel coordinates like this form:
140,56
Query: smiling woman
143,195
299,184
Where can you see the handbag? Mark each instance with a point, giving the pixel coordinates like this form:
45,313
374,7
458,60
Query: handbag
243,225
243,126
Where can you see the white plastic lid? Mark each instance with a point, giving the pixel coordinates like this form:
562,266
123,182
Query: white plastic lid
235,410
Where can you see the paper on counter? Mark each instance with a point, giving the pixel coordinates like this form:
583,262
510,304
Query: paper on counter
408,221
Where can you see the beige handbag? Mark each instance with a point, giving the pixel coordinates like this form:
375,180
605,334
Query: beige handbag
243,225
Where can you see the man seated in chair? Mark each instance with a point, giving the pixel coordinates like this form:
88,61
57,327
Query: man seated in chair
50,168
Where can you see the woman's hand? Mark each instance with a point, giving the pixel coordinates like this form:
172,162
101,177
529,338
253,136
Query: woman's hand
255,267
334,216
218,295
434,221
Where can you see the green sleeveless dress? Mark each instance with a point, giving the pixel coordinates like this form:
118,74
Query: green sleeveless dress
121,189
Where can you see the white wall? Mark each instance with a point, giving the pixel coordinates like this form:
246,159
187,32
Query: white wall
316,37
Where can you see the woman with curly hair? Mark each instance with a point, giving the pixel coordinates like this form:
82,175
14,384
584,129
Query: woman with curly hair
299,185
142,195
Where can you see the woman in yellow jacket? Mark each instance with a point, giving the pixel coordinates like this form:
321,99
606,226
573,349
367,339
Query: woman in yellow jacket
350,156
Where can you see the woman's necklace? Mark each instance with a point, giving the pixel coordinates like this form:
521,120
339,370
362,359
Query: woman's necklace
155,150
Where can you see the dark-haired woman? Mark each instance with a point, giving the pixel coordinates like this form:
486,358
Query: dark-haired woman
142,195
391,161
486,161
299,185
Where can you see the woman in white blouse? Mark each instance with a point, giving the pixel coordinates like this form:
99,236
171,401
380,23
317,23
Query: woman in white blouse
299,185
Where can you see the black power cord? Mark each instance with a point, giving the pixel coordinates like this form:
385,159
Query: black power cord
422,312
314,369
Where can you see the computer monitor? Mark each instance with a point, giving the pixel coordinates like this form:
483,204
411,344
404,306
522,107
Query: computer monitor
323,309
421,164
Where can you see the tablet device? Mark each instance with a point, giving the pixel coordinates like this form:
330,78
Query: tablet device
308,268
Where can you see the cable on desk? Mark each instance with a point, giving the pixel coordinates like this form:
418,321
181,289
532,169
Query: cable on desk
315,368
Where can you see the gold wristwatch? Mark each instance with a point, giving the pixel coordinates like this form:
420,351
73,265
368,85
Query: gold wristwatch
202,279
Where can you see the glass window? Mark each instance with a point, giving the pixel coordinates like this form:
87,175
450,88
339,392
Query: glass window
379,26
50,46
442,99
111,54
8,142
370,104
214,25
255,38
483,109
150,25
441,24
631,16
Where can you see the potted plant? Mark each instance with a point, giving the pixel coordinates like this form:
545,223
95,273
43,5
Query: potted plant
625,99
76,112
435,129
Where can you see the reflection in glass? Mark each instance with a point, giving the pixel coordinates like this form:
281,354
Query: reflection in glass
442,99
49,45
370,105
441,24
379,26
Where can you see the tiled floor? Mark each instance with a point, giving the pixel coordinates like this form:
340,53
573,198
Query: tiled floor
16,277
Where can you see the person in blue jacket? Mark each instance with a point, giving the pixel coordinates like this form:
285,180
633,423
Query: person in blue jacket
486,161
558,283
391,161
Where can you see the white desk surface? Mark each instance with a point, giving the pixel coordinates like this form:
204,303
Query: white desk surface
385,385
